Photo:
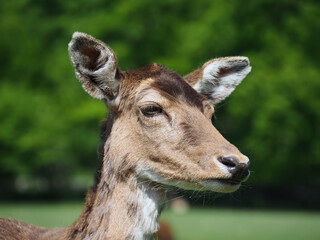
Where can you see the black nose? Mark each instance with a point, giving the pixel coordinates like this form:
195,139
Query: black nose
238,170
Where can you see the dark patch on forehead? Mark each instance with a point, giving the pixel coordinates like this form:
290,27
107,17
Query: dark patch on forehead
149,71
173,84
166,81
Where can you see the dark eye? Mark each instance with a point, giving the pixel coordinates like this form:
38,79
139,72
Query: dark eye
151,111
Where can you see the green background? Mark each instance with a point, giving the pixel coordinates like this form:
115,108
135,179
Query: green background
49,127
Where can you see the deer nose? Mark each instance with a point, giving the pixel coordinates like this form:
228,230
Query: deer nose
239,170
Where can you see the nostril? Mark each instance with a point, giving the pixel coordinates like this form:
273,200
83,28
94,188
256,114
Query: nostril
230,162
239,170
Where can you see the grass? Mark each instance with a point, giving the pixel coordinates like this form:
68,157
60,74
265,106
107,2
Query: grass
205,224
195,224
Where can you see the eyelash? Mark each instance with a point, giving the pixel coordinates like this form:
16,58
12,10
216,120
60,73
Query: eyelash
151,111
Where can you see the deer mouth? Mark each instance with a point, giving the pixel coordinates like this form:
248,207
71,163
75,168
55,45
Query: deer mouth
236,180
224,185
230,181
220,185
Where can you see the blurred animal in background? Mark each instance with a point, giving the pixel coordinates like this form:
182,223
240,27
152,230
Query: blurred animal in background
179,205
164,231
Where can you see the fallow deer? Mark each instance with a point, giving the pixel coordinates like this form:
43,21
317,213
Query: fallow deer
158,133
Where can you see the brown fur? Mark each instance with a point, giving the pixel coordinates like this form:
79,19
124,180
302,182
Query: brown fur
140,154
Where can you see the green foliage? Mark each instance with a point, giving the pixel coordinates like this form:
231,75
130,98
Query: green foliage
49,126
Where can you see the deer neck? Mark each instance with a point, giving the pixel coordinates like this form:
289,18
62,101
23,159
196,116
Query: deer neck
120,207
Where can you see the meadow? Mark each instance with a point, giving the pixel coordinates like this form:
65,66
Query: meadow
194,224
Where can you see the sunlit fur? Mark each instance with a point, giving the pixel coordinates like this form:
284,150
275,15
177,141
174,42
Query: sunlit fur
144,154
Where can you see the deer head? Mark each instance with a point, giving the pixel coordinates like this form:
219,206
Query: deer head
162,128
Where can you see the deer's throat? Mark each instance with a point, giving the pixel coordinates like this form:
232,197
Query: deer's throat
144,211
123,207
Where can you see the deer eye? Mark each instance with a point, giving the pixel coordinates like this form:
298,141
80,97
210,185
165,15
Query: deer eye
151,111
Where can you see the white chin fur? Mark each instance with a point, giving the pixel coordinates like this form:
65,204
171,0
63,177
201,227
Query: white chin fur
206,185
218,186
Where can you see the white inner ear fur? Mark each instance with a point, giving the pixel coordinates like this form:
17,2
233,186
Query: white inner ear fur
221,76
104,70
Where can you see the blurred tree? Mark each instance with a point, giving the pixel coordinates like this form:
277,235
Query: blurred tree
49,126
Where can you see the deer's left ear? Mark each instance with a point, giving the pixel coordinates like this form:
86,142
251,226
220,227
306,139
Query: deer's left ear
217,78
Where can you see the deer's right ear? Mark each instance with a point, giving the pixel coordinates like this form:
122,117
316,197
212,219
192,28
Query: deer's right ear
218,78
95,65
